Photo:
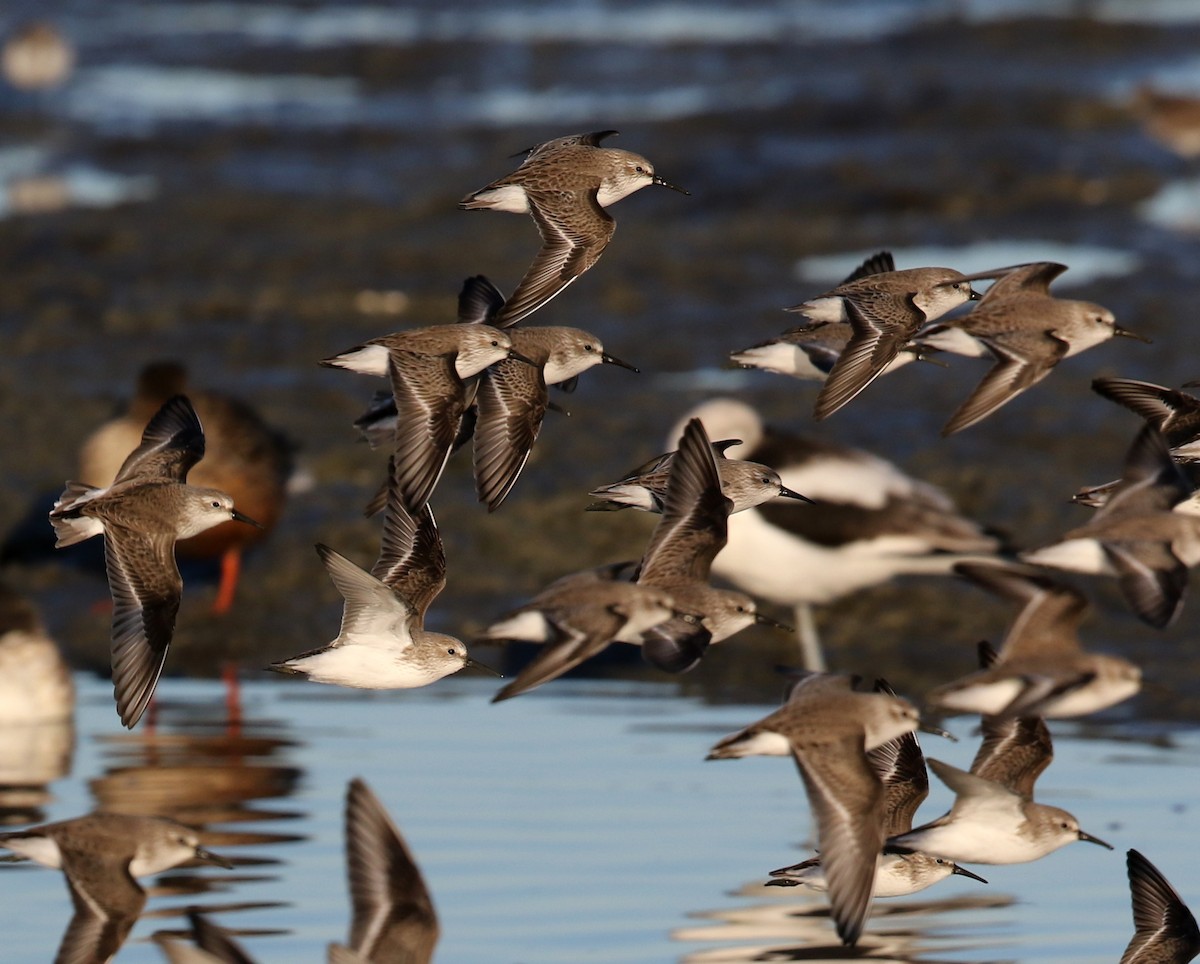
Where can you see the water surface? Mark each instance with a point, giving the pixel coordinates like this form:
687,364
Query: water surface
582,823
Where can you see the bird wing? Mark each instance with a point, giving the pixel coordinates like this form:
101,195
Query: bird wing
881,326
1020,279
430,402
573,645
1014,752
1051,612
847,799
575,230
1151,578
100,925
1151,481
172,442
675,646
1164,928
479,301
412,560
373,612
693,526
973,794
511,403
393,917
146,588
1016,369
215,942
1161,407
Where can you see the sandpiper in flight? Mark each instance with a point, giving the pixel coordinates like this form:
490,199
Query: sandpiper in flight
828,728
871,524
900,766
576,617
689,534
146,509
1027,331
566,184
432,373
885,310
1042,669
1139,535
383,643
992,824
745,484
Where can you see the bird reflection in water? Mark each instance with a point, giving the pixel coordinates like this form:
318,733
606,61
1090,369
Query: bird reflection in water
797,929
37,712
195,769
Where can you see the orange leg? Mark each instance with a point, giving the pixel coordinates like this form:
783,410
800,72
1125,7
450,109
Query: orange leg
231,566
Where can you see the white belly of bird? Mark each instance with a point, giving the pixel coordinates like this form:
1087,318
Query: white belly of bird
555,372
366,667
643,618
769,563
528,625
1075,555
986,698
956,341
159,858
779,356
1097,695
993,838
896,875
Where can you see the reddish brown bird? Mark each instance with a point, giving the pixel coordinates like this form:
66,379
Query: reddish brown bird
243,457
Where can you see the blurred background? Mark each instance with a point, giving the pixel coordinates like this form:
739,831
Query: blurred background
249,187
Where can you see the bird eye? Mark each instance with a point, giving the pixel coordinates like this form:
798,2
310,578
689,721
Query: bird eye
588,348
640,169
495,343
451,651
216,504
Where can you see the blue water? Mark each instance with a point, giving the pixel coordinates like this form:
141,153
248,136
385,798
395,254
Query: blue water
582,823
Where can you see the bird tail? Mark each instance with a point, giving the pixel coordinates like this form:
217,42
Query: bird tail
70,526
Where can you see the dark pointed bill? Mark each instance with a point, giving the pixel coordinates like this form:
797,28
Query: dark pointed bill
663,183
517,356
239,517
1126,333
1096,840
471,661
773,623
936,731
208,857
786,493
614,360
